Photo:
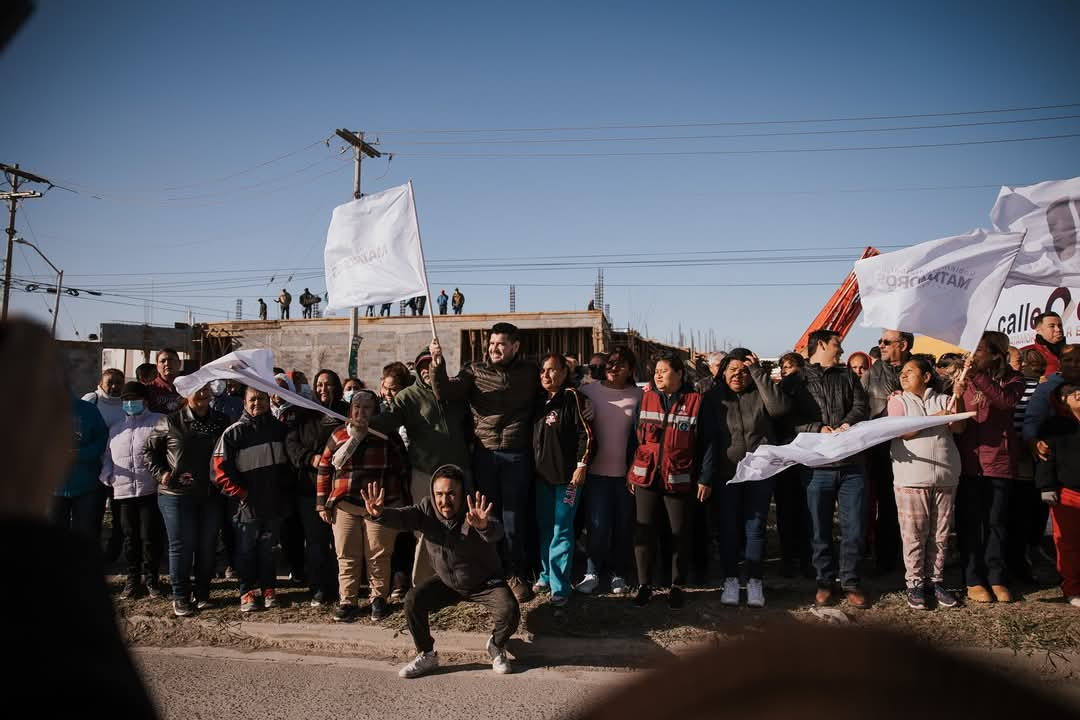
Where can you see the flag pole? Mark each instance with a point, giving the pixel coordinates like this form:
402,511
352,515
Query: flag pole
423,264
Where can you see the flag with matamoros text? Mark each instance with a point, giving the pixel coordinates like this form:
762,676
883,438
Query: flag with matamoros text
373,250
1048,213
945,288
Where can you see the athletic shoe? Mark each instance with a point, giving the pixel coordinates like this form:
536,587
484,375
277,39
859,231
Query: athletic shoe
499,663
1074,600
269,598
916,597
619,586
943,597
131,589
541,587
755,593
249,602
318,599
559,601
730,593
588,584
153,590
203,604
181,607
422,664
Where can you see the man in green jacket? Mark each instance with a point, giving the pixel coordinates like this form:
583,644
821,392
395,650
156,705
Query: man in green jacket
438,435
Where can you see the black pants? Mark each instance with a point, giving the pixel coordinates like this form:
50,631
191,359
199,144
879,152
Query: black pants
792,517
982,507
886,526
141,521
292,544
679,514
1027,516
434,595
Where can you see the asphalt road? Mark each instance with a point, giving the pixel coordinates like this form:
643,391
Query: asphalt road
219,683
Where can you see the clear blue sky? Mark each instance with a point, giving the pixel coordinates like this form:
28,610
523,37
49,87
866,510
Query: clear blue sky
166,113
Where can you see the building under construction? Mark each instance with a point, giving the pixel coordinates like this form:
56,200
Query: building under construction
310,344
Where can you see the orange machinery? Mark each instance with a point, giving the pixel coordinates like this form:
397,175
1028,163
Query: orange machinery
840,312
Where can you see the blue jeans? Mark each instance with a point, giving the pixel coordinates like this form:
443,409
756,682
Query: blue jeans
255,554
556,506
826,487
746,504
320,563
505,478
192,524
610,523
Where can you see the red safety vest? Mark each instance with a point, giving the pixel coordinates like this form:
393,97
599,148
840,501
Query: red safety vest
666,442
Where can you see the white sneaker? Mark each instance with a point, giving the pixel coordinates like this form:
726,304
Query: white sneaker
619,586
730,595
422,664
1074,601
588,584
499,663
541,587
755,593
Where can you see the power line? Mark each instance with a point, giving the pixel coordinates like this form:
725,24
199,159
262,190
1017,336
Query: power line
794,133
726,123
702,153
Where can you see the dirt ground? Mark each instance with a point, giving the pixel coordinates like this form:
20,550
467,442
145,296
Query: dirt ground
1038,623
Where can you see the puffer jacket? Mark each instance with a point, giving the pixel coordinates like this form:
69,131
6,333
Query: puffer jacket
306,439
464,558
501,399
989,445
182,444
123,466
735,424
251,467
880,382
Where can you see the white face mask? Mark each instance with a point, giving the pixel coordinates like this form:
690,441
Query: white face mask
347,397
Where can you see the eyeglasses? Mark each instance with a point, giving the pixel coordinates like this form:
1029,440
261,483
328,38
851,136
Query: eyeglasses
882,342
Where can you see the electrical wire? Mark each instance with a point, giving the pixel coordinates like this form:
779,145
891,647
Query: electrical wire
705,153
727,123
795,133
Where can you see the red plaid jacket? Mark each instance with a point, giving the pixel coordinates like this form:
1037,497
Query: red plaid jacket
379,459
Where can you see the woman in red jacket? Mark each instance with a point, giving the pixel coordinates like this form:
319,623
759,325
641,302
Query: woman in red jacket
665,470
989,451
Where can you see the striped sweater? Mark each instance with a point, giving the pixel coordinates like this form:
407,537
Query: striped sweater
250,464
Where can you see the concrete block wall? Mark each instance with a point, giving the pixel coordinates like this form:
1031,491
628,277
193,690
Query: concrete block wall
308,345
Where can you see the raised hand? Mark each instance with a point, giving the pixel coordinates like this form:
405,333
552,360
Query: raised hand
373,499
479,511
436,351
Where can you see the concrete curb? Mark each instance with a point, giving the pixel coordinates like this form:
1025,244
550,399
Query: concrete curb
385,643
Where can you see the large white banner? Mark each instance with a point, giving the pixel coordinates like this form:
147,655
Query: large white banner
817,449
944,288
373,250
1049,215
1019,307
254,368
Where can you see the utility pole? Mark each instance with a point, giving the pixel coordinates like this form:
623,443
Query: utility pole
360,149
16,177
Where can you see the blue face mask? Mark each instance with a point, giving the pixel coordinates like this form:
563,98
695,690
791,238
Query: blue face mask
347,397
132,407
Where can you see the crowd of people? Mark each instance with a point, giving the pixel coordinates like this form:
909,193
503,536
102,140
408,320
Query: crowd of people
440,489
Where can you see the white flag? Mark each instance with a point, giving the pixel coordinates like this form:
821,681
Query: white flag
945,288
254,368
373,250
1049,214
817,449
